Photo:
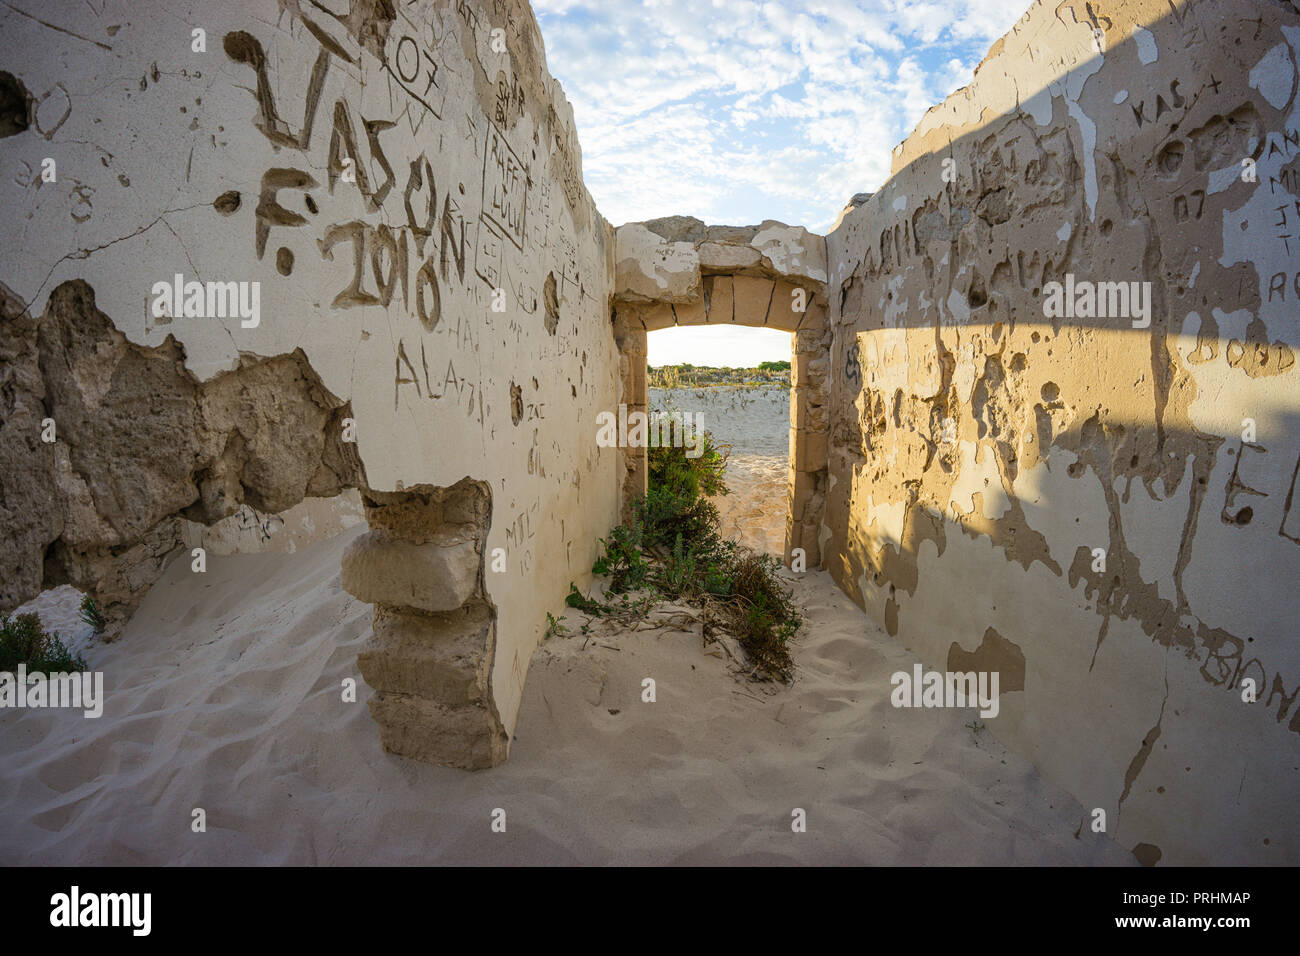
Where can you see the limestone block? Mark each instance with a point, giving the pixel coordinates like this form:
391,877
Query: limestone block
719,295
752,297
691,313
653,269
419,514
469,735
639,377
809,340
808,538
782,314
727,257
792,251
799,402
799,362
808,369
816,450
439,575
808,450
437,656
798,495
817,416
658,316
814,319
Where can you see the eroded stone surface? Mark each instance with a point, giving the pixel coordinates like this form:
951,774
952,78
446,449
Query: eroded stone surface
139,441
664,260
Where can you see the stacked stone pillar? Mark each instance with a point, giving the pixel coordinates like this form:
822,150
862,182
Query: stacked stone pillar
430,656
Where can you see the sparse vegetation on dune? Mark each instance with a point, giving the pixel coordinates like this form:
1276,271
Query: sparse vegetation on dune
691,376
674,550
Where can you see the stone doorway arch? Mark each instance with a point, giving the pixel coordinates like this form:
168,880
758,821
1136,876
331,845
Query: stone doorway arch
680,272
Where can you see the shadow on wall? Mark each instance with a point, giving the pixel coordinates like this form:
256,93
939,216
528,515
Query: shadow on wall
1066,339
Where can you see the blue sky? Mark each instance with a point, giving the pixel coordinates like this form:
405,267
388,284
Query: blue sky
736,111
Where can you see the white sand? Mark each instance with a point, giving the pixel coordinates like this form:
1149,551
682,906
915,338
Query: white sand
224,693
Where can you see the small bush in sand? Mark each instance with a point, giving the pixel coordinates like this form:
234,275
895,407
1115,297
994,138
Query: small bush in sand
674,549
24,640
92,615
671,469
623,559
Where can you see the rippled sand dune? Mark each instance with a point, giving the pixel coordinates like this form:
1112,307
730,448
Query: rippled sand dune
233,705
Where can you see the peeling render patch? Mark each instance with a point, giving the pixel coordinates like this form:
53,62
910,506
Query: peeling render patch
1274,77
15,105
1146,46
995,653
1139,483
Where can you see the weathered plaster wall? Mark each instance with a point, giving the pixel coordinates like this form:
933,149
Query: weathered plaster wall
677,271
385,171
980,451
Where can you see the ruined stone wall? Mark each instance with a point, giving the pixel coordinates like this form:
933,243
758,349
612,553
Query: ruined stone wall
1102,508
403,181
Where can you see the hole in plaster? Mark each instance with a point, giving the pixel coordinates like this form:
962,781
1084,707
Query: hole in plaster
15,105
1050,391
1170,159
227,203
516,404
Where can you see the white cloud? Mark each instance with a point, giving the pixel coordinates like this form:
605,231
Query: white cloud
743,110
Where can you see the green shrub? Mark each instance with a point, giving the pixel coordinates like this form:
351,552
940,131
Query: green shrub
623,559
24,640
92,615
671,468
665,515
675,548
